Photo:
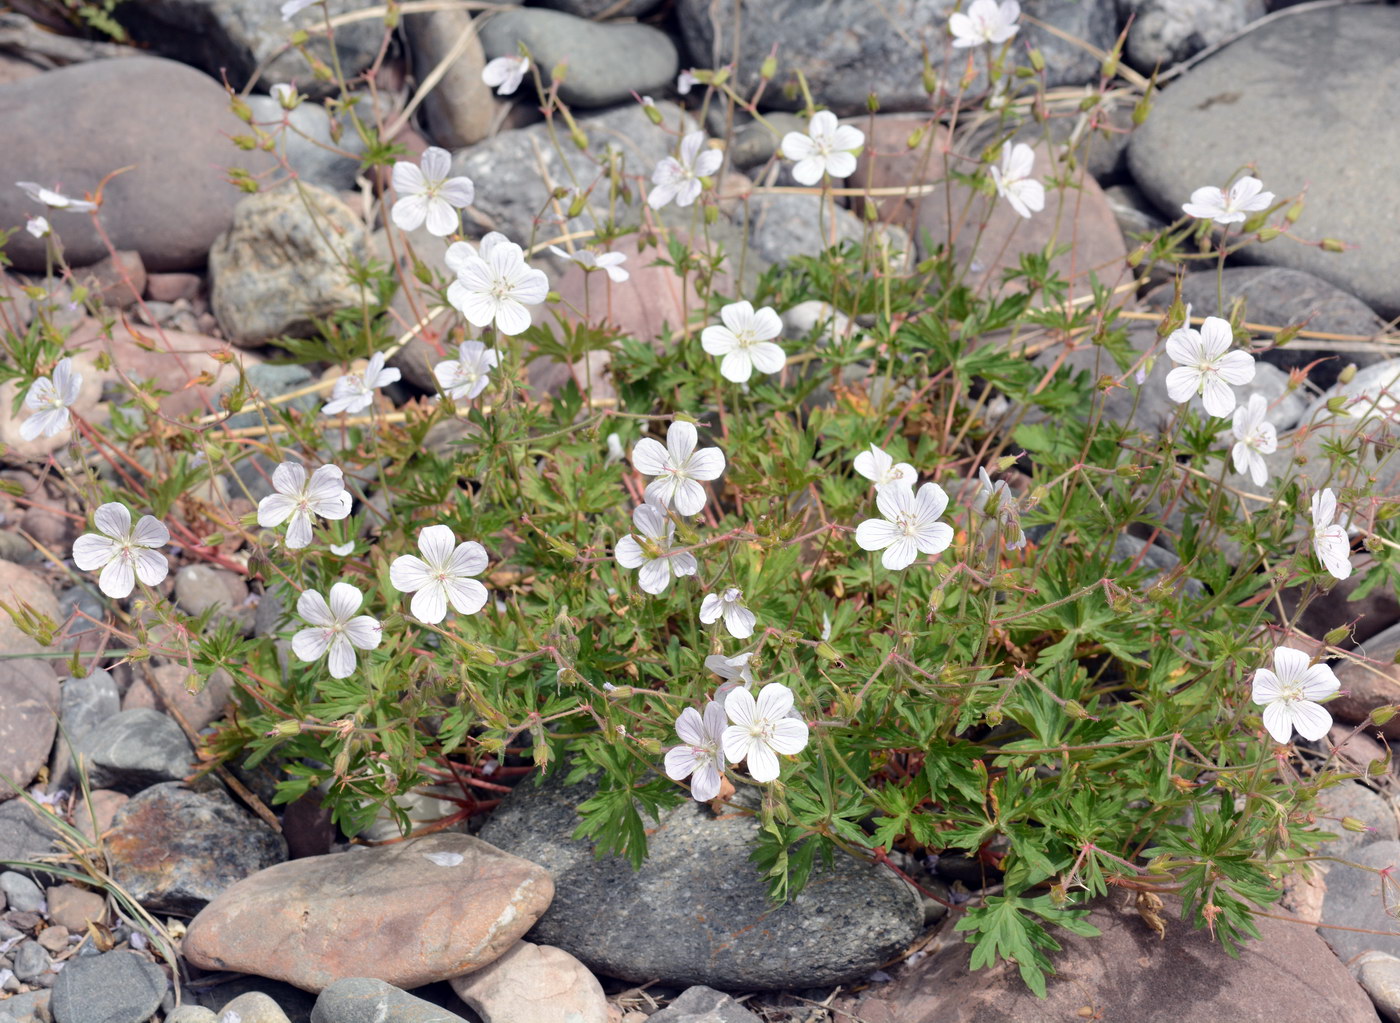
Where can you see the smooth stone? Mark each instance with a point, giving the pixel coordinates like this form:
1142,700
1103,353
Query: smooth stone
387,910
1354,900
534,984
19,586
702,1004
191,1014
272,380
135,749
1244,105
598,8
29,698
850,48
93,816
27,1007
236,36
783,226
201,587
84,703
1352,799
170,122
460,108
296,1003
369,1000
31,961
607,63
168,689
254,1007
279,267
25,837
115,987
175,851
1164,32
74,908
1367,687
1129,973
1379,975
117,282
172,287
21,893
308,143
697,912
1281,297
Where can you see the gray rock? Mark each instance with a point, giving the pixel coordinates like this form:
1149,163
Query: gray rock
307,143
606,62
281,265
367,1000
296,1003
271,380
79,598
115,987
135,749
459,110
254,1007
21,893
175,850
1352,799
752,142
25,836
850,48
517,163
169,122
1164,32
84,703
1244,105
1135,215
1281,297
236,36
29,698
702,1004
612,8
1354,899
27,1007
783,226
198,588
697,912
1379,975
31,961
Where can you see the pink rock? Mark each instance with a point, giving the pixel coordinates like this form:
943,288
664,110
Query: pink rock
168,689
172,287
29,698
534,984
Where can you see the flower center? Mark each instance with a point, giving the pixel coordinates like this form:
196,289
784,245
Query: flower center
906,525
761,730
1290,692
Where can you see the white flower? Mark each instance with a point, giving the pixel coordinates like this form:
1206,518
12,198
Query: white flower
910,526
880,468
466,376
495,284
678,178
124,554
1206,366
504,74
826,627
300,499
334,627
734,670
50,399
685,81
986,21
427,193
354,392
828,148
700,758
1329,536
745,341
678,468
342,550
55,200
441,576
1229,206
285,94
615,450
1255,437
611,262
762,729
38,227
292,8
994,500
1289,695
1014,182
738,619
650,550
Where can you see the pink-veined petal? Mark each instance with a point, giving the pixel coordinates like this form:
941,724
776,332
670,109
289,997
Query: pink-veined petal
409,212
649,457
345,600
681,439
437,544
876,534
628,552
931,501
737,366
705,782
289,478
309,644
408,573
680,762
718,340
429,604
736,739
683,565
91,551
739,317
689,727
767,357
150,566
651,521
117,579
469,558
654,576
1216,396
797,146
299,530
364,632
1236,368
274,509
789,736
1319,682
436,163
934,539
467,596
459,191
740,707
114,520
900,554
739,621
1266,687
762,762
441,217
711,608
1311,720
1278,719
689,497
408,179
313,609
1290,665
511,317
1183,383
340,659
774,701
150,532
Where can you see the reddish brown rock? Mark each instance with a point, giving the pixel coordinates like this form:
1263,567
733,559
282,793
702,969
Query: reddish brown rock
1129,974
99,812
534,984
169,688
386,912
115,282
28,720
887,161
74,908
172,287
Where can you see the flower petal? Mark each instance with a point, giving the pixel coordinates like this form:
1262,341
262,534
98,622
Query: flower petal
114,520
151,567
654,576
429,604
117,579
341,657
649,457
467,596
789,736
309,644
92,551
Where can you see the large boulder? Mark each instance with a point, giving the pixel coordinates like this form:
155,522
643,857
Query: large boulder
166,122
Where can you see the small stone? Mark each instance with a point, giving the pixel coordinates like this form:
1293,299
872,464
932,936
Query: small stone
308,143
128,989
27,1007
312,920
783,226
1379,974
198,588
84,703
21,893
368,1000
94,816
280,267
25,837
29,698
1354,800
702,1004
136,749
460,108
171,688
117,282
534,984
254,1007
54,938
191,1014
1165,32
171,287
31,961
73,908
175,850
1367,687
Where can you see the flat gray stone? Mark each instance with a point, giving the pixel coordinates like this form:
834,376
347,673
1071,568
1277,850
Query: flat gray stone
1325,69
315,163
1379,975
1352,799
115,987
28,702
21,892
84,703
1164,32
31,962
25,836
784,226
702,1004
1354,899
366,1000
134,750
697,911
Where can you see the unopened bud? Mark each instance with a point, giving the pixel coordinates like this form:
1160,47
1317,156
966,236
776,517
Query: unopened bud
480,653
993,717
653,115
652,747
579,204
563,547
1380,715
1037,59
561,191
1358,826
768,68
1348,373
828,652
1269,234
241,110
1109,67
285,728
930,80
916,137
935,600
1136,257
1332,245
580,139
1337,404
1140,111
1378,767
1294,212
872,103
1075,709
1338,634
212,540
711,215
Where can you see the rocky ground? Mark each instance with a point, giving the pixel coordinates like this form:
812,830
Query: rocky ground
511,920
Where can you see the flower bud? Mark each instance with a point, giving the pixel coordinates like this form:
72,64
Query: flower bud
563,547
1136,257
480,653
1380,715
1378,767
916,137
930,79
241,110
1109,67
711,215
1338,634
1089,102
651,747
1037,59
872,103
653,115
768,68
212,540
1348,373
1333,245
1294,212
1140,111
1269,234
1358,826
828,652
1337,404
580,139
1074,709
286,729
993,717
